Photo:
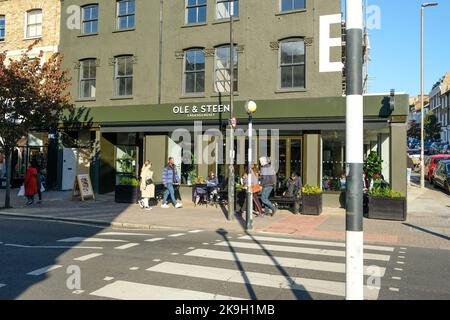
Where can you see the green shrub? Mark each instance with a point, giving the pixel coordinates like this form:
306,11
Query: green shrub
308,189
126,181
385,192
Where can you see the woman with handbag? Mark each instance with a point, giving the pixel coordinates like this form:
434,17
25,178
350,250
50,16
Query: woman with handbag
30,183
147,186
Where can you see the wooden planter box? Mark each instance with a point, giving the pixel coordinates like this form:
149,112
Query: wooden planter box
312,204
387,208
126,194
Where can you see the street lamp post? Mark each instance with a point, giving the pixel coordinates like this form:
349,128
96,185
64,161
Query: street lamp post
231,174
250,108
422,135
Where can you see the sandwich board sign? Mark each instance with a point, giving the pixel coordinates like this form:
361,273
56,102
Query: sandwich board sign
83,187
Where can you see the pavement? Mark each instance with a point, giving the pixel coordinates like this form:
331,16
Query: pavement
427,224
58,260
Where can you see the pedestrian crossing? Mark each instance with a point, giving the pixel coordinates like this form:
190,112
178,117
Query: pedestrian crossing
266,264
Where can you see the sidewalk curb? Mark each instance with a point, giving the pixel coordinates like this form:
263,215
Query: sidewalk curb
98,223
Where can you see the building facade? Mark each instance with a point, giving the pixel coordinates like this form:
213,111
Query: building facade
440,105
143,71
22,22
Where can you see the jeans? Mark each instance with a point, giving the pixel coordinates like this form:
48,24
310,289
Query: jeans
266,191
408,175
171,191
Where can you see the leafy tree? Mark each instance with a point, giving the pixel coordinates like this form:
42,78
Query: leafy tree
33,96
431,127
414,129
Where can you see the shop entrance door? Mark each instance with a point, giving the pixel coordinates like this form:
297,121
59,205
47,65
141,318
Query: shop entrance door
69,168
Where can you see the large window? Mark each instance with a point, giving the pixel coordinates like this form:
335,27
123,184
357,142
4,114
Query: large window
125,14
333,159
34,24
2,28
225,7
195,11
88,77
289,5
194,71
124,76
292,64
90,19
223,69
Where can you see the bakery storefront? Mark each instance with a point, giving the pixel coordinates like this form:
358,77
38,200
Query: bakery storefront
306,136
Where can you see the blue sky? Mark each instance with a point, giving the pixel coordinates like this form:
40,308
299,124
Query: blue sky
396,46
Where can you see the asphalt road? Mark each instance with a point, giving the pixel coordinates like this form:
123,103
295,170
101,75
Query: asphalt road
53,260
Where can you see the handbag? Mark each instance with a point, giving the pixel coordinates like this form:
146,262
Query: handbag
21,192
148,182
256,188
42,187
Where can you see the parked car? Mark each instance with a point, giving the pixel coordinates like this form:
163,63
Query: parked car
414,154
431,162
441,175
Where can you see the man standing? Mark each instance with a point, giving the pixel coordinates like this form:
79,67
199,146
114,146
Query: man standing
169,178
269,180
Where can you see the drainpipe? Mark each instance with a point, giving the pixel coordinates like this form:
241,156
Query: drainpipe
161,5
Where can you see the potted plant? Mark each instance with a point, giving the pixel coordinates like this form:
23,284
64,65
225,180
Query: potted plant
127,190
311,200
372,165
383,203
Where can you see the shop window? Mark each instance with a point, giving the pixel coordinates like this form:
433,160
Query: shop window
90,19
225,7
88,78
292,64
33,24
289,5
194,71
124,76
195,11
333,159
223,67
125,14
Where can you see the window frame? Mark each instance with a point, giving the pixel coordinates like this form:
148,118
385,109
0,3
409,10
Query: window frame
118,16
292,65
91,5
89,79
197,7
236,78
185,72
117,78
291,10
3,17
234,11
28,25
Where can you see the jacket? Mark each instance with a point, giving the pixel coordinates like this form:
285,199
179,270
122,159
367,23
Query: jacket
170,175
30,182
147,191
268,176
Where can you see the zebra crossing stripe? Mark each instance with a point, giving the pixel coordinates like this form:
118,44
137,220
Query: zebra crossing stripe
259,279
154,239
176,235
275,261
43,270
126,246
195,231
82,239
2,285
88,256
125,290
313,242
315,251
123,234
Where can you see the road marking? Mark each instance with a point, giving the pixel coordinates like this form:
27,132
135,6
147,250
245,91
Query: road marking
126,246
195,231
315,251
88,256
398,269
275,261
78,291
2,285
123,234
134,268
402,252
205,243
396,278
191,248
51,247
177,235
313,242
43,270
82,239
401,257
174,253
403,248
156,260
258,279
400,262
394,289
125,290
108,278
154,239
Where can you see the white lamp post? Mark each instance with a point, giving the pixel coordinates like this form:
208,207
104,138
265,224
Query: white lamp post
250,108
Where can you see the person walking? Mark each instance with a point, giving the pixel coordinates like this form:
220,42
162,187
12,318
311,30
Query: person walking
169,178
30,183
147,185
409,169
269,180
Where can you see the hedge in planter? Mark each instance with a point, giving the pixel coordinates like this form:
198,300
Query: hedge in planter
386,204
311,200
127,191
